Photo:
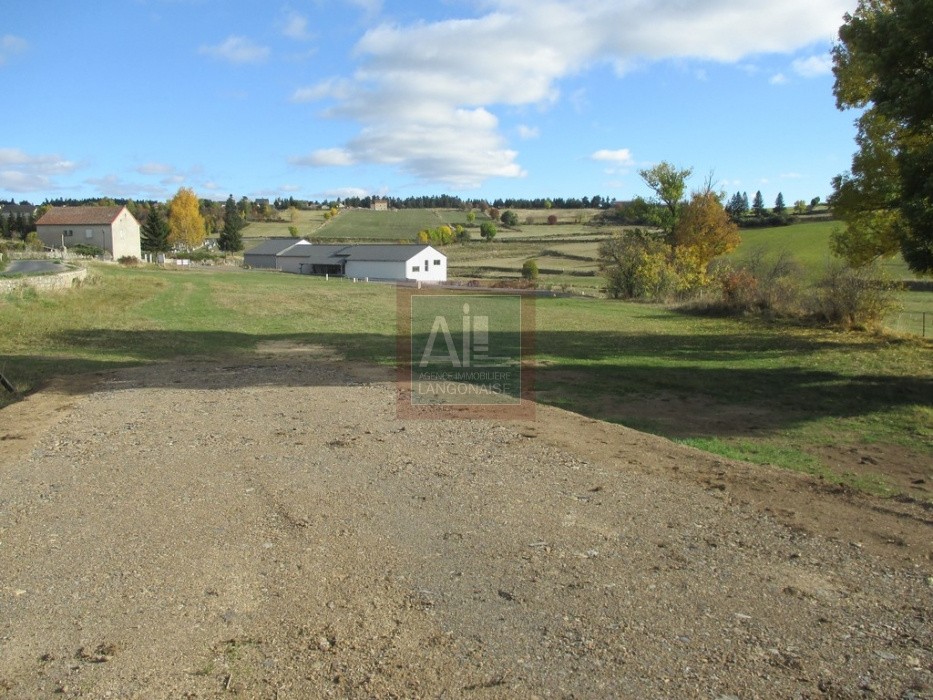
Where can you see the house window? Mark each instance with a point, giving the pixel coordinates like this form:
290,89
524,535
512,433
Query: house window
88,233
416,268
68,233
437,262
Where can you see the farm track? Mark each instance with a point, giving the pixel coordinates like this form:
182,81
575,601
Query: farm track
268,528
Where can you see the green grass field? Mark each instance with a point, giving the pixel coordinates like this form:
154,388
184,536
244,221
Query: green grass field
775,393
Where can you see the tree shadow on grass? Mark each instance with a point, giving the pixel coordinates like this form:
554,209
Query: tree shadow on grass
677,385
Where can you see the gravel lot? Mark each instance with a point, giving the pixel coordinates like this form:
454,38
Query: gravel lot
272,530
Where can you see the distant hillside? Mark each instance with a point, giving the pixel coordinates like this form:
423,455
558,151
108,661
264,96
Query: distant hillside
808,244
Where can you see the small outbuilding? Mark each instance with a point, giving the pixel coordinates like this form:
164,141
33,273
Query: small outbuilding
112,229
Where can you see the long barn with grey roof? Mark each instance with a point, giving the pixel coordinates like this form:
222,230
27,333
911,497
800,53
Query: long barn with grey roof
365,261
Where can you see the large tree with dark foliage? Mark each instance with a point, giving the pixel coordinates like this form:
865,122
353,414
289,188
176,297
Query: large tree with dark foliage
155,232
231,240
883,64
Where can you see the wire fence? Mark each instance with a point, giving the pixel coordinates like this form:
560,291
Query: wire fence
912,323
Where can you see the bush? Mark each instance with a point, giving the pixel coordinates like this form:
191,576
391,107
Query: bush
552,219
637,266
510,218
129,261
854,297
487,231
91,251
760,284
530,270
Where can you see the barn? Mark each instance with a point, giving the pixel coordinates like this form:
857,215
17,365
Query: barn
264,256
366,261
394,262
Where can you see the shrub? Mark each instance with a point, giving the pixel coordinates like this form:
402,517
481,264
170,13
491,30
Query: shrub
293,231
638,266
129,261
91,251
510,218
487,231
552,219
854,297
530,270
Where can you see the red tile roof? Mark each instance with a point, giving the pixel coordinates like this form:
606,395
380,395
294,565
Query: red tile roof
80,216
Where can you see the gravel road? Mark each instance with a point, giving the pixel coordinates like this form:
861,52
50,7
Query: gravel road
271,530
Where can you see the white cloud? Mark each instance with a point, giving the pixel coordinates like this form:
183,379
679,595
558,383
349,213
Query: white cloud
10,46
24,172
527,133
325,157
332,88
778,79
155,169
369,7
426,106
115,186
344,192
237,49
622,156
295,26
813,66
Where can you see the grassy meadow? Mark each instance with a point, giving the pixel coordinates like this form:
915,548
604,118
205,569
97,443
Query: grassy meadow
767,392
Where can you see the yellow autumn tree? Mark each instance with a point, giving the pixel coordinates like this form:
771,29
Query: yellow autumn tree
186,225
705,226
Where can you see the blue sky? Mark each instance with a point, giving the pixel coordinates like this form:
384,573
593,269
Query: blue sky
488,98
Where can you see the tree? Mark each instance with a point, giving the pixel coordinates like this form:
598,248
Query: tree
758,205
530,269
882,66
779,206
737,206
471,217
704,227
669,185
185,223
509,218
231,240
155,232
635,265
487,230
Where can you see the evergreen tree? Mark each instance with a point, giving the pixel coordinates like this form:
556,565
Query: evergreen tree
155,232
758,205
779,206
736,207
231,240
745,202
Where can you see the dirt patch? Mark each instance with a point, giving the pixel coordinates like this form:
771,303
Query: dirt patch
292,347
683,417
272,529
895,466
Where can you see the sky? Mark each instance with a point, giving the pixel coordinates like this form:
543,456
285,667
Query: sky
319,99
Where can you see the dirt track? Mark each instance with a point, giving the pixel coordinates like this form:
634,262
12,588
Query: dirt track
272,530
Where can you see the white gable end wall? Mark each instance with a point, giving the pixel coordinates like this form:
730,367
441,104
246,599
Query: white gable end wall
125,232
427,266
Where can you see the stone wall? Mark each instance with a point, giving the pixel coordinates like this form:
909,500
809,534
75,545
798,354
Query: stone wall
44,283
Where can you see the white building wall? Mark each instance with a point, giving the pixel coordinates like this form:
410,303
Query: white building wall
427,266
126,236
